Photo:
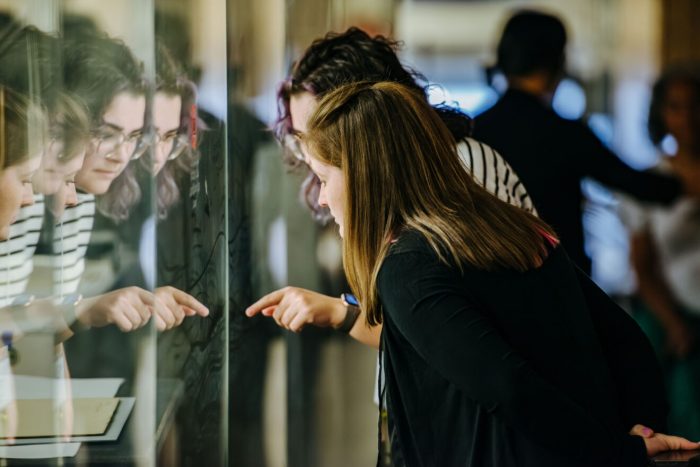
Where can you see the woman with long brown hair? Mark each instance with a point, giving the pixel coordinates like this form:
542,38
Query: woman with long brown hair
328,63
491,356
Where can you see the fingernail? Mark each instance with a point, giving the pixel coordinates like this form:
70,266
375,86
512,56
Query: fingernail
646,431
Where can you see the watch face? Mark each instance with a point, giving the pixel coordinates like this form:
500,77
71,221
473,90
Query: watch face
350,298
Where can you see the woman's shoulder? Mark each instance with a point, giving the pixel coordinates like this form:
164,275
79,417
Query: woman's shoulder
408,251
490,170
410,242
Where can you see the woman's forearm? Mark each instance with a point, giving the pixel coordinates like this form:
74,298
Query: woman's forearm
368,335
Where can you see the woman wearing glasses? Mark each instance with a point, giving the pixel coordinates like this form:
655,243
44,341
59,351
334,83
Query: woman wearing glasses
162,156
104,73
165,151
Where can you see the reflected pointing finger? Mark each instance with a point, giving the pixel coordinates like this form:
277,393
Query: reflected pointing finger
189,301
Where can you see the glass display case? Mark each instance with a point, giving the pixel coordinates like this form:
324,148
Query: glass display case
114,234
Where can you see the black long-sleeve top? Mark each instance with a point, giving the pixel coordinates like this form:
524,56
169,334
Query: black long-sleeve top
551,155
500,368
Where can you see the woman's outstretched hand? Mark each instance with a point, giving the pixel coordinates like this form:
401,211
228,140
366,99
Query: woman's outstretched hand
293,308
659,442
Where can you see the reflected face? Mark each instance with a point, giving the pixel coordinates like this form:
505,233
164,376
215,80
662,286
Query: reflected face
166,120
57,178
681,113
103,163
15,192
332,192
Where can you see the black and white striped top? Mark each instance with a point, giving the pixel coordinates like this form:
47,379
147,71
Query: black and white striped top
71,238
17,251
492,172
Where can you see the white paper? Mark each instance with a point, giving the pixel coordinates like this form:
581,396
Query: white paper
39,451
37,387
126,404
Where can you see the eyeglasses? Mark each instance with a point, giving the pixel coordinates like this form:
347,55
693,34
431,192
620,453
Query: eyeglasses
111,140
292,143
173,142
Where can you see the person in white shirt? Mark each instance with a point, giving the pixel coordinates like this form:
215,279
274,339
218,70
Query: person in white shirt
665,249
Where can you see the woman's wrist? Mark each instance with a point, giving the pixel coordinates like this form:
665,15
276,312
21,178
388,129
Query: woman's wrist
351,313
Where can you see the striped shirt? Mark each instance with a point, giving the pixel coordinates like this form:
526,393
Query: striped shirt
16,252
71,238
493,173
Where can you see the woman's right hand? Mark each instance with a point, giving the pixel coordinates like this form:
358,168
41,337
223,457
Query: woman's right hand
658,442
293,308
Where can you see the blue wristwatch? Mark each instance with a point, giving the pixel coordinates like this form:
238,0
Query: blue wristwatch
352,307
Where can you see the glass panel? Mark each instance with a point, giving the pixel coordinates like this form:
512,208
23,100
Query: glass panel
103,102
192,240
36,161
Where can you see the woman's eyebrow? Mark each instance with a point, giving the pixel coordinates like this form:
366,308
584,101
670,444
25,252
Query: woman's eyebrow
112,126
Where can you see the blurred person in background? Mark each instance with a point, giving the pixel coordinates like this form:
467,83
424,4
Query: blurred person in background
551,154
665,248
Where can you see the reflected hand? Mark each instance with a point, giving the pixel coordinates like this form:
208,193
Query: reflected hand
293,308
173,306
659,442
129,309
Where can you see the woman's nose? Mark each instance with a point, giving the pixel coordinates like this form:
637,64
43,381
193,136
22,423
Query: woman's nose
322,201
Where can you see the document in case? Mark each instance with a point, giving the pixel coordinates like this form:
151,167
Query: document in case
39,418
